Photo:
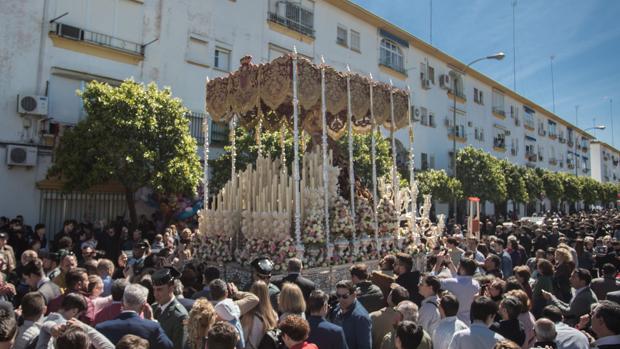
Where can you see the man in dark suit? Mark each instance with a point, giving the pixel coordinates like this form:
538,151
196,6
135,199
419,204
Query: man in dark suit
613,296
167,309
210,274
129,322
368,294
294,276
608,283
582,300
408,278
35,278
322,332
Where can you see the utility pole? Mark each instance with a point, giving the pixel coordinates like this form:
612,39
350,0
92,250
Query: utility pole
514,48
552,83
431,21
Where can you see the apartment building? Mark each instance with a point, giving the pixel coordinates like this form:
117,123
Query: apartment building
605,160
54,47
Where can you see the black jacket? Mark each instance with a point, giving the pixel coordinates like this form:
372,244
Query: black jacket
370,296
306,285
410,280
510,329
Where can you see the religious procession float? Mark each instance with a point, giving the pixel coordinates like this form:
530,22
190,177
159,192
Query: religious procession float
303,211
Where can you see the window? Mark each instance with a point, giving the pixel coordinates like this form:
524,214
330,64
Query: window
424,163
341,36
552,128
528,118
479,134
293,15
391,55
431,74
498,102
356,44
478,96
424,116
197,51
431,120
499,141
222,59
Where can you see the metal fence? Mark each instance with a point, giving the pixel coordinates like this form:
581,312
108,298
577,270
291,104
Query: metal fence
57,206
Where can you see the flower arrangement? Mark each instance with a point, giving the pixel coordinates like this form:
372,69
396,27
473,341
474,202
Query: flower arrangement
342,225
315,256
279,251
313,230
216,249
387,217
364,216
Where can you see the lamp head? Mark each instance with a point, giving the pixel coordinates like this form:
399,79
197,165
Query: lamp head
499,56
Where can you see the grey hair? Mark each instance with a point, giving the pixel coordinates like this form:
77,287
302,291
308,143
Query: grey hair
545,330
178,287
135,296
408,310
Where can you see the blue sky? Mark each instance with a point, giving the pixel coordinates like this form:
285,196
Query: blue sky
583,35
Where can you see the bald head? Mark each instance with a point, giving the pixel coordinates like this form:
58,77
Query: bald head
545,330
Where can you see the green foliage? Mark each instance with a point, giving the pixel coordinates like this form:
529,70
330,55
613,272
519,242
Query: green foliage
516,188
590,190
480,175
362,155
441,186
534,184
553,186
572,187
134,134
609,192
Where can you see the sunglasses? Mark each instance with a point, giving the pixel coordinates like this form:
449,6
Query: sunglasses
342,296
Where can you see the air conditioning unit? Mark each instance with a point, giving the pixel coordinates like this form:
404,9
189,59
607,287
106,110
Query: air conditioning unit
444,81
507,132
69,31
470,123
19,155
33,105
416,113
426,84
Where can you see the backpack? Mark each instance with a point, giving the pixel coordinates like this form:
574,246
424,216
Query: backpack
272,340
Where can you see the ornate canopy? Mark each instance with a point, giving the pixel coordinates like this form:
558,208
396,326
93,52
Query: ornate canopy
264,92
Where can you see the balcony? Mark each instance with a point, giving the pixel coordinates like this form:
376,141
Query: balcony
570,143
94,43
459,96
528,125
553,162
561,139
397,68
531,157
292,16
553,135
218,132
461,138
499,113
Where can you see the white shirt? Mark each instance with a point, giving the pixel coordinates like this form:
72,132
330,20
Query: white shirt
478,336
429,314
570,338
446,328
165,306
464,288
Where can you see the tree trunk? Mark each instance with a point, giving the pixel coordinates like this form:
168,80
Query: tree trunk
131,205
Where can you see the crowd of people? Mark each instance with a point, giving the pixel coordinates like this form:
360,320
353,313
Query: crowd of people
552,283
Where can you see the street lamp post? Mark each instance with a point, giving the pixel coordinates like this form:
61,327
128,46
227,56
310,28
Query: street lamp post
599,127
498,56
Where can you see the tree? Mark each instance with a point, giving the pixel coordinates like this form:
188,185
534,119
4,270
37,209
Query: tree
552,183
480,175
590,190
609,192
516,188
133,134
437,183
572,188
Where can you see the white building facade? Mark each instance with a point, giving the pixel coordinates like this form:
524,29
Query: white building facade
55,47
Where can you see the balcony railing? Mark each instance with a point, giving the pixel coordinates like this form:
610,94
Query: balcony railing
218,132
387,62
75,33
293,17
